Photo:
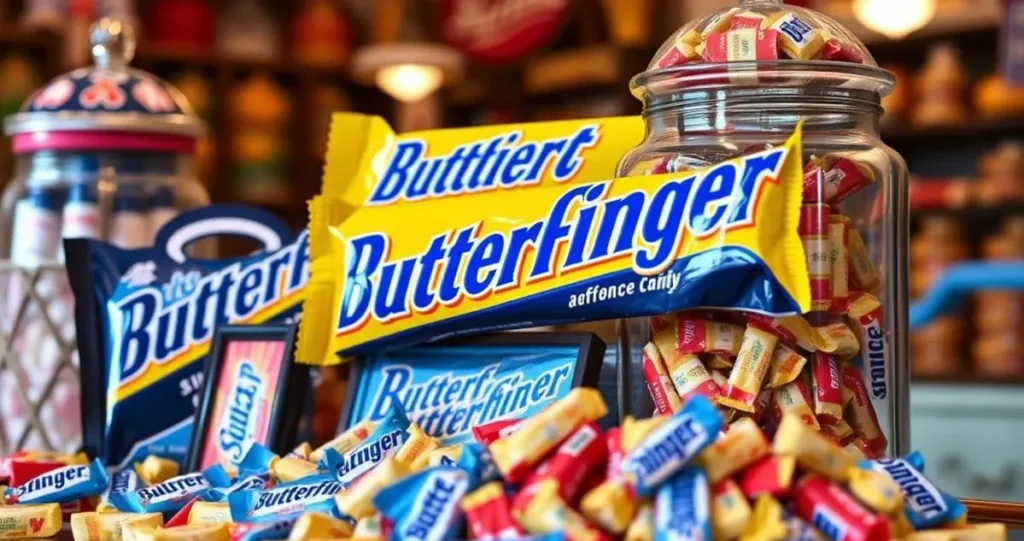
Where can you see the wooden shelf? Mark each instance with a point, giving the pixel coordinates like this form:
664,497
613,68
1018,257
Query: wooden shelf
973,214
900,136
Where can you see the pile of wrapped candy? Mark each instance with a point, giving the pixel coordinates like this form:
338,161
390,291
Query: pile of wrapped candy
742,34
557,475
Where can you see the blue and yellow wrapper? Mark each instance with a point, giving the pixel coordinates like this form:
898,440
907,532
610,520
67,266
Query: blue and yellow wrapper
721,237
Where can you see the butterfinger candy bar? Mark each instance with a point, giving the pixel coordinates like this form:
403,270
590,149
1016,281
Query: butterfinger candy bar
862,415
925,505
692,334
793,398
682,506
811,450
865,317
398,277
743,444
743,44
289,468
518,454
346,441
786,365
828,391
797,38
30,521
748,372
838,234
659,384
814,234
863,274
583,452
771,475
209,513
489,514
417,445
356,501
690,377
672,445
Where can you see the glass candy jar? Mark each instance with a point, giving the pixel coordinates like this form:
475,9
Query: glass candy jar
103,152
742,79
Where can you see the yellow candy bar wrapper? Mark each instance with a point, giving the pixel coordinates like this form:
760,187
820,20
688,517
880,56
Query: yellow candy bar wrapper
547,513
312,525
766,521
368,529
346,441
560,254
417,445
303,450
733,451
517,454
356,501
434,457
635,431
155,470
368,164
611,505
730,511
876,490
642,527
811,450
187,532
107,526
30,521
209,513
288,469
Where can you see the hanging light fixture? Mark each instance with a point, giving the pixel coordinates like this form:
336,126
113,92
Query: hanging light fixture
894,18
400,61
407,71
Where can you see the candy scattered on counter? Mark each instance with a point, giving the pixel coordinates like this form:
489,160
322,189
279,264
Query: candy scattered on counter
688,475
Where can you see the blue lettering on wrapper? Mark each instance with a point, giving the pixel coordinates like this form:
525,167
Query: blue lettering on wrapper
447,390
411,175
463,262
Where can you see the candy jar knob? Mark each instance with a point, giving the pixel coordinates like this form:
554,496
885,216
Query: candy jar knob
113,44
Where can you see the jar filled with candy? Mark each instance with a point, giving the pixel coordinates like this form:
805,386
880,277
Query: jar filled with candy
734,83
103,152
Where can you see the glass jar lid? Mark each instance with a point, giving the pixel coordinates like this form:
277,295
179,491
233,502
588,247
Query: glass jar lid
761,43
109,96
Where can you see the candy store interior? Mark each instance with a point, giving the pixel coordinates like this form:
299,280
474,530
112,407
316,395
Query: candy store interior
369,269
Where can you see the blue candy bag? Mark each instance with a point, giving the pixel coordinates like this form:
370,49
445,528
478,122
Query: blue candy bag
146,318
61,485
425,505
171,495
385,441
310,493
924,504
682,506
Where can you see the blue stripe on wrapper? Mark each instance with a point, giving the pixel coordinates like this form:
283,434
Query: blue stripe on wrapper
310,493
924,504
425,505
171,495
682,506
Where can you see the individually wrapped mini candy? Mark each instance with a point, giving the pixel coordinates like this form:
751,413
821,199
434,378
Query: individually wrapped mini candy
171,495
366,297
682,506
131,309
925,505
30,521
385,441
311,493
61,485
425,505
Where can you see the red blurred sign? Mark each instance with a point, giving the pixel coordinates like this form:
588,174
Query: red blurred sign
501,30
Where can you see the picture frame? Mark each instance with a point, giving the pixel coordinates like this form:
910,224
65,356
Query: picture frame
584,351
263,402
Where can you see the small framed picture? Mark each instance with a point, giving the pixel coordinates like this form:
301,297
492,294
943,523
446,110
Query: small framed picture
252,392
449,387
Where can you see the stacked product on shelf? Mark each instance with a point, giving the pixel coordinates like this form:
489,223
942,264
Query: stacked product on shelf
999,315
936,349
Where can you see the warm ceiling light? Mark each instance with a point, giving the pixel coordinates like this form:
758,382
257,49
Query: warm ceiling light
409,82
407,71
894,18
